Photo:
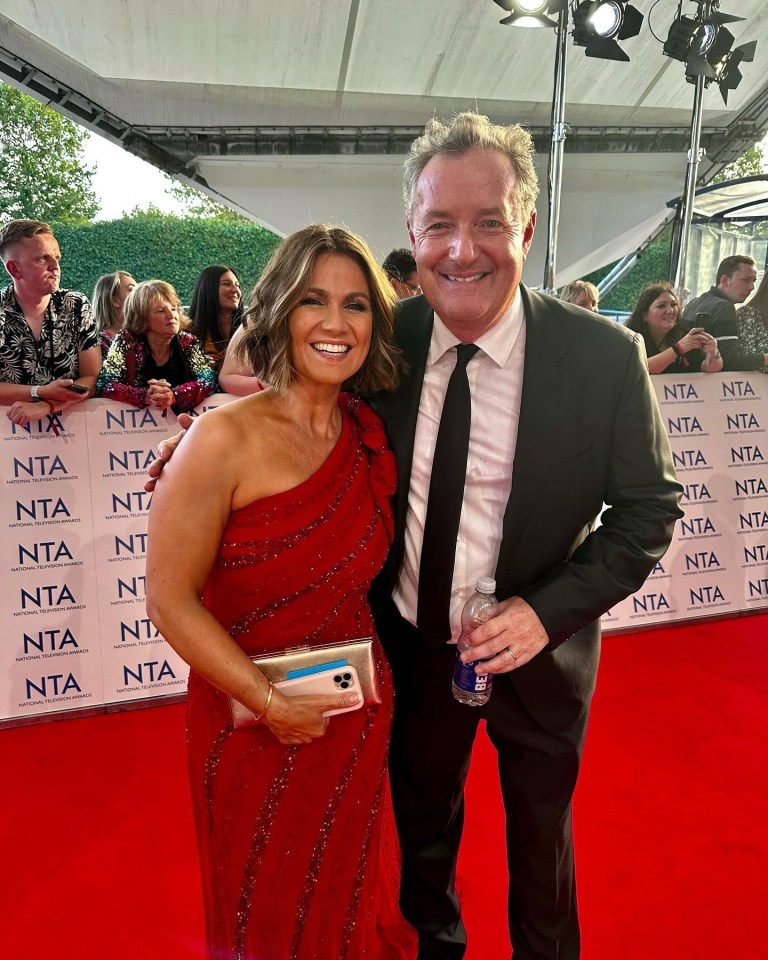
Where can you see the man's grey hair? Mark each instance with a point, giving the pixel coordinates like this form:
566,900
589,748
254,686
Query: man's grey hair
468,131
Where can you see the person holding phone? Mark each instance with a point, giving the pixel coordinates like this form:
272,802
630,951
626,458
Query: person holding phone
293,521
49,345
669,347
150,362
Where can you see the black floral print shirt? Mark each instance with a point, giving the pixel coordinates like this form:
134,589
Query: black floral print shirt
68,328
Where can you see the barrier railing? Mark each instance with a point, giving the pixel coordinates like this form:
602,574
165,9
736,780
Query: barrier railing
74,516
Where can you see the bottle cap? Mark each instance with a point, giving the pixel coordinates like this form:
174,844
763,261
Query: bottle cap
486,585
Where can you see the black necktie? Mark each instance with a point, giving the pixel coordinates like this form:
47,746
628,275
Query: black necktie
446,495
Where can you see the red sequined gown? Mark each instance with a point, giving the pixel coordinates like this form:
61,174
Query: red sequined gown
298,847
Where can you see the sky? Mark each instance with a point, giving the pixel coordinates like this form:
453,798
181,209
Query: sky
123,181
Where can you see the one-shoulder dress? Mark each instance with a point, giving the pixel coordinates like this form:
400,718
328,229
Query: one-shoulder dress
298,848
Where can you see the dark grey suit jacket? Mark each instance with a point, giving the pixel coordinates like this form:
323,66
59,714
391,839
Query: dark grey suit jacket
589,433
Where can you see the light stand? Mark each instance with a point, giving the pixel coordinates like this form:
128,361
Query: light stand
704,45
556,149
598,26
682,230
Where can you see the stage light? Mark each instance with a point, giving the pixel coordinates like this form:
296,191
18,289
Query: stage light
598,25
704,46
730,75
530,13
606,19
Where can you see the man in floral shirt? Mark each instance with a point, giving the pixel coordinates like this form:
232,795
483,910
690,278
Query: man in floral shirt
49,347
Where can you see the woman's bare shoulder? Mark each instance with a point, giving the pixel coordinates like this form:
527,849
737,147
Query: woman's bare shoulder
246,417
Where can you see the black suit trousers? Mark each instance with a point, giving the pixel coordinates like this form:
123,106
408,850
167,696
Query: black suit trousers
432,740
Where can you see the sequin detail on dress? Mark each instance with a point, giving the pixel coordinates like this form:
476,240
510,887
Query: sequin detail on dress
211,764
255,616
259,842
258,550
354,903
322,841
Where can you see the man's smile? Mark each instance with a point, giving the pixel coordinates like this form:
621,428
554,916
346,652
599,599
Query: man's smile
472,279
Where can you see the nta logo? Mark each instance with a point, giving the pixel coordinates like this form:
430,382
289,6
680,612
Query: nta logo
150,672
650,603
54,685
40,466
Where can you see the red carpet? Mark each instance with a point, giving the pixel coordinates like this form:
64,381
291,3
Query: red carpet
99,858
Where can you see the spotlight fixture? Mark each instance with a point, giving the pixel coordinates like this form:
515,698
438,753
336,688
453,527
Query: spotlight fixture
598,25
730,75
531,13
704,46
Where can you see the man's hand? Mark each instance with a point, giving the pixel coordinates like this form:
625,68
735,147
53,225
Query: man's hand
24,411
165,451
516,629
57,391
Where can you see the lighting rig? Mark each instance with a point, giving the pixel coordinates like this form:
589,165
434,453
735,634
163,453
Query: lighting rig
598,25
705,45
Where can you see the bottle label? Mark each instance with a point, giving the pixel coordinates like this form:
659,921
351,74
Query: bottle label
466,679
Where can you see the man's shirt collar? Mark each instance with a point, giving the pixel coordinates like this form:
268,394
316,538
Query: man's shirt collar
497,342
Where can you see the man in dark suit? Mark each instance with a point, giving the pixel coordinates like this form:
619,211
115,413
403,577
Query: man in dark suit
563,419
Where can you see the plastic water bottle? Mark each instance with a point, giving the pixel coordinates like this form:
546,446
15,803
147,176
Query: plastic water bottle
469,687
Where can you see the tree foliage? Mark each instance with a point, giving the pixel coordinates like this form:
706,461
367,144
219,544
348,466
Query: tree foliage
750,164
43,176
150,244
197,204
652,265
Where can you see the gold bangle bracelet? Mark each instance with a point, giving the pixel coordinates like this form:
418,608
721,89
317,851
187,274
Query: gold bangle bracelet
263,713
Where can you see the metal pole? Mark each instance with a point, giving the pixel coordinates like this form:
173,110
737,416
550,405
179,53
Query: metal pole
695,154
621,269
559,131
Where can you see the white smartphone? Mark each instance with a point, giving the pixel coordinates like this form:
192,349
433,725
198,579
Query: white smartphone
326,684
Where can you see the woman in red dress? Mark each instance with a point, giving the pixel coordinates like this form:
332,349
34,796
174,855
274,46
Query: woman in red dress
297,844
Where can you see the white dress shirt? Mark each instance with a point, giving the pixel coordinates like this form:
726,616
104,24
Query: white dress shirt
495,376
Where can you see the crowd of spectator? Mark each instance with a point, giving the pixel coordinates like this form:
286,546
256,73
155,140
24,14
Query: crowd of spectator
136,345
710,334
132,342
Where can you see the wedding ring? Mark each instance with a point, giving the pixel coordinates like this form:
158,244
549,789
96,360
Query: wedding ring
512,653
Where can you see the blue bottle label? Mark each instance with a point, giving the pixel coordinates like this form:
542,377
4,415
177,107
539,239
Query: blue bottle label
466,679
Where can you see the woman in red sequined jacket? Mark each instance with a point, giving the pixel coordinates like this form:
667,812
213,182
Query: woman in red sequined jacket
150,362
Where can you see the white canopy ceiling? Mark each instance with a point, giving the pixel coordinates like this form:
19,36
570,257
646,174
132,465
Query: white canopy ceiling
301,110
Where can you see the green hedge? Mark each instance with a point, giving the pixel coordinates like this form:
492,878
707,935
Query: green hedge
652,265
167,248
177,249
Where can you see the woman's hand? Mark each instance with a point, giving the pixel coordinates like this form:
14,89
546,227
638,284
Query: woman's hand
300,719
708,345
159,394
695,339
713,359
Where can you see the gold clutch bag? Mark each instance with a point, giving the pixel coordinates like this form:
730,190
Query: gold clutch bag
302,661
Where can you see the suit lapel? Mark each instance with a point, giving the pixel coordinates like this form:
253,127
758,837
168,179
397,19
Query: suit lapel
547,385
400,409
547,382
